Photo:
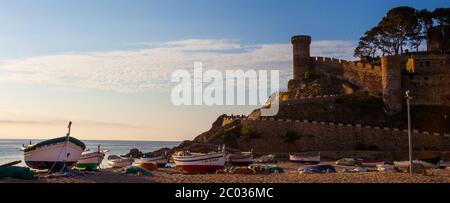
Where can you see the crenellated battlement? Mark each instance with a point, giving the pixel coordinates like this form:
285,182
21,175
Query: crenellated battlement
330,136
340,63
327,59
428,75
365,76
285,98
264,120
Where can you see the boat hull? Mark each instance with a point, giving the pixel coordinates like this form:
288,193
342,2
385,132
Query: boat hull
87,166
151,166
304,159
265,159
443,164
55,156
90,161
160,161
240,159
372,163
403,164
190,169
200,163
120,164
349,162
95,157
318,169
45,165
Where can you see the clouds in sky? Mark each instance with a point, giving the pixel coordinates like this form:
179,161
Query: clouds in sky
150,69
334,48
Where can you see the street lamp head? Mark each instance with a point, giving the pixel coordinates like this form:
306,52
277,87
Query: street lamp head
408,94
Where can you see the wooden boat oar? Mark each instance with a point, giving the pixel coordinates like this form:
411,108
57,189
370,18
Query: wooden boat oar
11,163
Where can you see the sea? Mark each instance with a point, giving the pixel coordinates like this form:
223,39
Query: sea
10,148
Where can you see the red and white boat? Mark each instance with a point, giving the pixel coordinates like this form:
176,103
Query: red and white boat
200,163
149,165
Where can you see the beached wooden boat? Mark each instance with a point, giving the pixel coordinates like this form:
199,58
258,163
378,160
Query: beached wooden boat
144,163
265,159
318,169
90,161
444,164
349,162
200,163
404,164
372,163
385,168
119,162
297,158
54,154
161,161
240,159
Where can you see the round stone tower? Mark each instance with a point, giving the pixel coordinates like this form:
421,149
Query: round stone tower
392,84
301,45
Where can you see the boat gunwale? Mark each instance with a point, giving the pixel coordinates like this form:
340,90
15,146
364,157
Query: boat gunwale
194,159
55,141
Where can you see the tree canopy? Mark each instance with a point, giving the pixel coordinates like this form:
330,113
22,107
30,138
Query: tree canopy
403,28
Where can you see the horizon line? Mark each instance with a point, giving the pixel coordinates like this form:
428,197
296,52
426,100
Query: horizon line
115,140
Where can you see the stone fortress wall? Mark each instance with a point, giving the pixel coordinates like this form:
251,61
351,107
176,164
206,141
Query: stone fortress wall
363,75
429,80
328,136
427,76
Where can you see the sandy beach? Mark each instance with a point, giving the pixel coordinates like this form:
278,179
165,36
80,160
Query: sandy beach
291,175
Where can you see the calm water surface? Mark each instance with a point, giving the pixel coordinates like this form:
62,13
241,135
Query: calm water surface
10,149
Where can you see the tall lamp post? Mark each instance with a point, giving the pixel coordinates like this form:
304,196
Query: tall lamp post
408,98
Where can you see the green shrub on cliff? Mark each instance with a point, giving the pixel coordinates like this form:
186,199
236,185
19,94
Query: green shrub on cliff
247,133
229,138
307,75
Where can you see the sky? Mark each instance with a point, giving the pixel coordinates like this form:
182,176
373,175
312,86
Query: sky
106,64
